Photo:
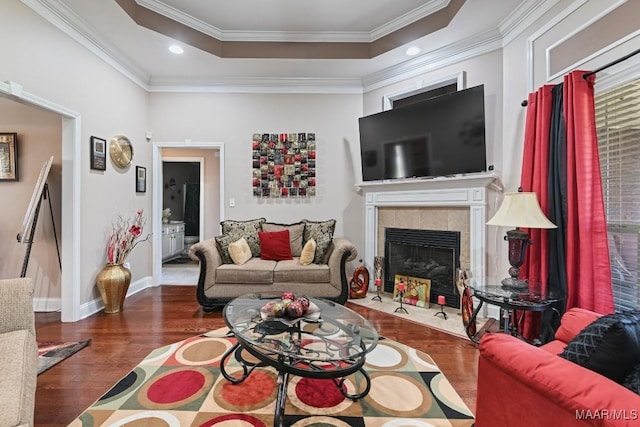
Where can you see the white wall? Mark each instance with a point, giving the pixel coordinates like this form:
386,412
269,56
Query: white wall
485,69
509,74
51,65
234,118
525,69
39,134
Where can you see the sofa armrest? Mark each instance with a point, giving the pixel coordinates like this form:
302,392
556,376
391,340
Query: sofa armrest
519,384
573,321
207,254
209,249
16,301
342,252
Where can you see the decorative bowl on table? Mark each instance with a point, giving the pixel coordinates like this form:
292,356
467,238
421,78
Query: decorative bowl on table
290,307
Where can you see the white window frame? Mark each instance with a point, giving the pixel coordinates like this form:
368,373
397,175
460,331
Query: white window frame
424,86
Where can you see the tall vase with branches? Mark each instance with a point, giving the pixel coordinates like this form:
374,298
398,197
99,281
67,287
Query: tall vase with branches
114,279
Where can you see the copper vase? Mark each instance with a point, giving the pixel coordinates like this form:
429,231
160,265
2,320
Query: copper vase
113,283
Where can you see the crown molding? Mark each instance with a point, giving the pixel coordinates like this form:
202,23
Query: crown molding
430,7
470,47
522,17
67,21
263,85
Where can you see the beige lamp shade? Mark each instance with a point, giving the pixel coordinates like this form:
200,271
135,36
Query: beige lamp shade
521,210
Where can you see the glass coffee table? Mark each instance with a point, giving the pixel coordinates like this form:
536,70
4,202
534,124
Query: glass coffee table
329,342
511,302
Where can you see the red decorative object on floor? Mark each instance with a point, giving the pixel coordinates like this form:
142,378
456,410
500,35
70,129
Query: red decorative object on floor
359,283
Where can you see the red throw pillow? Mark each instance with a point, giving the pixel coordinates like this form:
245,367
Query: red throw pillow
275,245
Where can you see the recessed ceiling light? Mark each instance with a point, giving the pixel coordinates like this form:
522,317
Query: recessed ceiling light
413,50
174,48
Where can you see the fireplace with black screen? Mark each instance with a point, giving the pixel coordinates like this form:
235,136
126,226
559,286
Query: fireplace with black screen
427,254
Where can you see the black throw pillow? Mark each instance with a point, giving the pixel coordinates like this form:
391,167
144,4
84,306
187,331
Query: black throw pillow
632,381
609,346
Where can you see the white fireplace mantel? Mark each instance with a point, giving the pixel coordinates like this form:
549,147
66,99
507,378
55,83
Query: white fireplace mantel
457,191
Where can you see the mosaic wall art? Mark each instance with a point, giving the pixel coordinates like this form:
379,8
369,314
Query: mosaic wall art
284,165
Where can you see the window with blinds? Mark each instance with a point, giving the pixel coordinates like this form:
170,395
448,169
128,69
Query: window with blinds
618,127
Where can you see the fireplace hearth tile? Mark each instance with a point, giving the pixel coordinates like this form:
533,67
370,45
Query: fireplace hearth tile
434,219
426,316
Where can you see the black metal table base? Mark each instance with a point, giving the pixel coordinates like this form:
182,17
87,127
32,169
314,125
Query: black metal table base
283,380
509,308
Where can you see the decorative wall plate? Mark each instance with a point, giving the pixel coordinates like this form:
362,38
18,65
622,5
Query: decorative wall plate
121,151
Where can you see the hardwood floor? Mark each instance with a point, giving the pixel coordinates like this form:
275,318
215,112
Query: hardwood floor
159,316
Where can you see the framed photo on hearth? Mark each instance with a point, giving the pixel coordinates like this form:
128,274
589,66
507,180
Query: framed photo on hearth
416,290
9,156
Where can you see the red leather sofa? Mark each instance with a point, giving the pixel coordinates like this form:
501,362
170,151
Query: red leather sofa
527,386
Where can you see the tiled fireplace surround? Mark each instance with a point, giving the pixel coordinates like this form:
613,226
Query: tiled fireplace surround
446,203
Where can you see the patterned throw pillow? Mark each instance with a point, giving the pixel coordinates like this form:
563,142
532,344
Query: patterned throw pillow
609,346
223,246
247,229
322,233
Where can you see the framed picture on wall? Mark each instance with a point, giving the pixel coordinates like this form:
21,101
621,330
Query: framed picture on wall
141,179
98,153
9,156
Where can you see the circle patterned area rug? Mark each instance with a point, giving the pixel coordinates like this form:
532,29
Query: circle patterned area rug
181,385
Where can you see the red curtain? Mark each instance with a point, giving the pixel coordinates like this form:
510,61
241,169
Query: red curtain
585,251
534,177
535,170
588,266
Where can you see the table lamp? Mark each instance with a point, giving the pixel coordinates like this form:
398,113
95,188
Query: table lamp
519,209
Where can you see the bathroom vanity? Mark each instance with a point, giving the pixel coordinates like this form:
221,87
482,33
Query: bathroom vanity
172,240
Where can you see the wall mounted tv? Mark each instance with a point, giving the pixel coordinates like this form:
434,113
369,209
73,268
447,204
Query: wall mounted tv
439,136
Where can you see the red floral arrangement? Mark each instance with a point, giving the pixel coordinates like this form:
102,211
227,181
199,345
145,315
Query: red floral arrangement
124,237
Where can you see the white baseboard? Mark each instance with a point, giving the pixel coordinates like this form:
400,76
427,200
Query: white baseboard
47,305
93,306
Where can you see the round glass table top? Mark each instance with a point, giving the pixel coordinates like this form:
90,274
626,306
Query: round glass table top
327,331
492,287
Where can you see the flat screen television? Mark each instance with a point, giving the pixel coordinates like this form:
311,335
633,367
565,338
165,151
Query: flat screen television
439,136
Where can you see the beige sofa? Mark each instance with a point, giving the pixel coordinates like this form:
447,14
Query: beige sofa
218,283
18,353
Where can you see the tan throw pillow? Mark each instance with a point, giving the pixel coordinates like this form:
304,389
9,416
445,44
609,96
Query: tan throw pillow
240,251
308,252
322,233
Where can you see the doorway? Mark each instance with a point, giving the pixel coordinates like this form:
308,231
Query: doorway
183,192
70,306
183,203
203,196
